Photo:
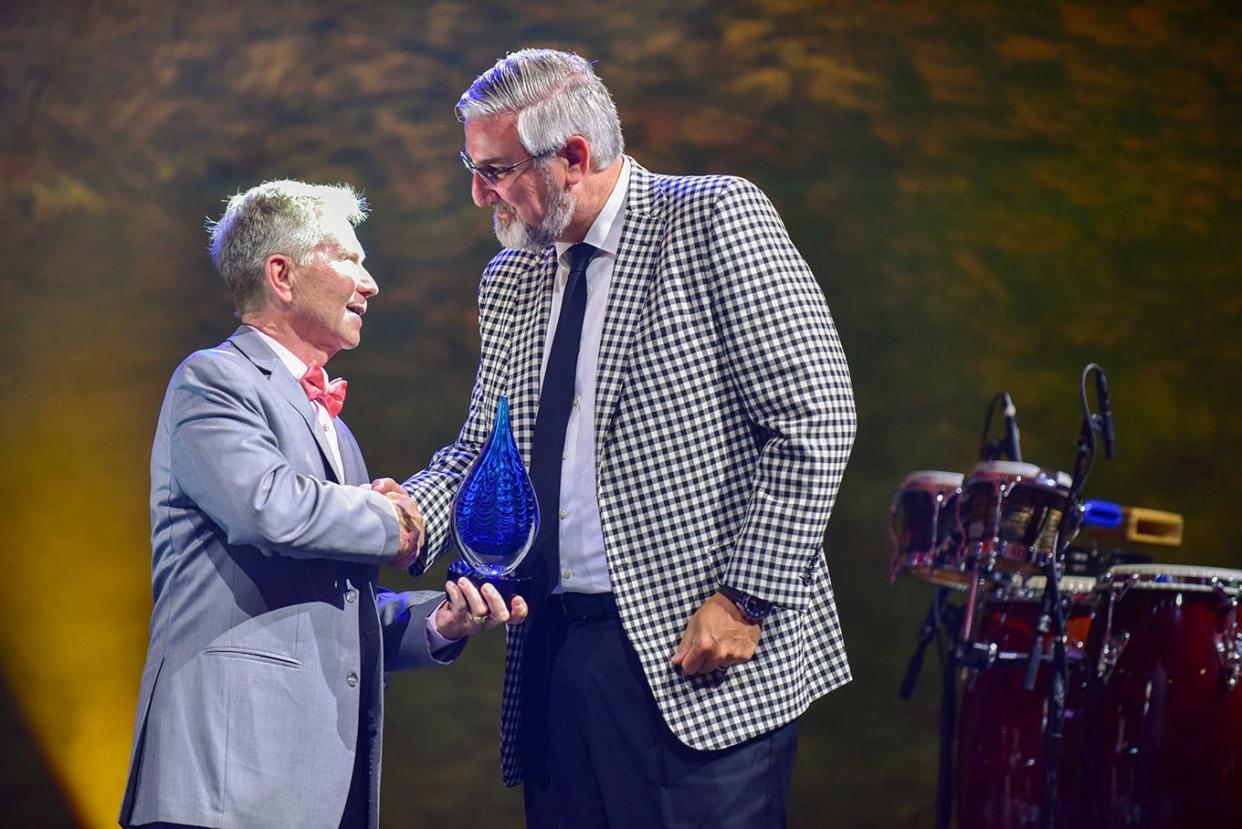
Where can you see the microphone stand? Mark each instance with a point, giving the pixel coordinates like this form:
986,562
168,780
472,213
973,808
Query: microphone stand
946,616
1052,617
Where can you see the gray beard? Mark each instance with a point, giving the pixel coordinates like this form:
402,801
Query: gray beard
535,238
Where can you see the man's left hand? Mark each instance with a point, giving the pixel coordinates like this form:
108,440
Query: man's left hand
469,610
718,636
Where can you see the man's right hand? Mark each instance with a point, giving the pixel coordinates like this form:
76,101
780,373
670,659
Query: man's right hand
413,525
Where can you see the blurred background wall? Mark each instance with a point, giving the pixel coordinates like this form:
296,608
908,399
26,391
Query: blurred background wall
991,194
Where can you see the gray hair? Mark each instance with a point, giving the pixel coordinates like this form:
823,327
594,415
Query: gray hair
555,95
288,217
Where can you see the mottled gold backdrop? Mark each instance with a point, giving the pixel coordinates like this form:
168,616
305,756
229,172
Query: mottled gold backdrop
991,193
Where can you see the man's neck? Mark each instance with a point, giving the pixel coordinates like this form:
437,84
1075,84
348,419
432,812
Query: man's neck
592,195
279,329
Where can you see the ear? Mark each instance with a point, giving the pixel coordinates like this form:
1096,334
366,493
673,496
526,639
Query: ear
278,271
578,158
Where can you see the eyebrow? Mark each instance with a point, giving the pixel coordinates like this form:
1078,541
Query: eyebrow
345,252
486,162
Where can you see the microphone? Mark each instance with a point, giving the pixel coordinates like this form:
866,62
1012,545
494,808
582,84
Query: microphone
1011,447
1106,414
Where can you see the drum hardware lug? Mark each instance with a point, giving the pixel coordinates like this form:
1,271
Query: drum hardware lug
1110,653
1229,649
979,654
1229,643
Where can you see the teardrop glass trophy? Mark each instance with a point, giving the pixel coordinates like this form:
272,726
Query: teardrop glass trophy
495,513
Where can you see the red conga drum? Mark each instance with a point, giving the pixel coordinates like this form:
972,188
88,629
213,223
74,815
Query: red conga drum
922,522
1164,746
1010,513
1000,743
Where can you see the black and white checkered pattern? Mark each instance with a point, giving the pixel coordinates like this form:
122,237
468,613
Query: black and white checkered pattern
724,417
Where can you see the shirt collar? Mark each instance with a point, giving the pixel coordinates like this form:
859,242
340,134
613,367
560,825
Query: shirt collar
605,232
296,367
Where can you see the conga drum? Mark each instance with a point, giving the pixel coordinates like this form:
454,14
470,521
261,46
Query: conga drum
1000,742
1010,513
922,523
1165,710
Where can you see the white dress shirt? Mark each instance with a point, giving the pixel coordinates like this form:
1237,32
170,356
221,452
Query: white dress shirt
584,568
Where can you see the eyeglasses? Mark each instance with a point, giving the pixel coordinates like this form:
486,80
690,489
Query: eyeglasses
493,175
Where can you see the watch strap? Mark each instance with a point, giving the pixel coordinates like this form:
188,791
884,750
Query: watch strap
752,607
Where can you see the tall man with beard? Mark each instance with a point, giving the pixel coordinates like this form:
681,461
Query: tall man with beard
679,390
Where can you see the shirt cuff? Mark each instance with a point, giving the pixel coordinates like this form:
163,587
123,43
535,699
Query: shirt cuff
436,641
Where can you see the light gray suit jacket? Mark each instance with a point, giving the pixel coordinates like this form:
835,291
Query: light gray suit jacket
267,627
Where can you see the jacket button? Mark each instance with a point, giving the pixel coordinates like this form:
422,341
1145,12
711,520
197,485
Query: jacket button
351,596
351,679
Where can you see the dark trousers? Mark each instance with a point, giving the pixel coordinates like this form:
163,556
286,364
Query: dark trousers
597,753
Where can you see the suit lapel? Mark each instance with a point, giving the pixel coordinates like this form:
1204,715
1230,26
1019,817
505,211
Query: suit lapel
249,343
633,277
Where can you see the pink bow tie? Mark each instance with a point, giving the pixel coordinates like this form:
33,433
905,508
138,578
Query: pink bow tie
332,396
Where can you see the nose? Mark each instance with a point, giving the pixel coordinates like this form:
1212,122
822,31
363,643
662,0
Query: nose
367,286
480,191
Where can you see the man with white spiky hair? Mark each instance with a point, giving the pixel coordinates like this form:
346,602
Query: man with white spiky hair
261,701
679,392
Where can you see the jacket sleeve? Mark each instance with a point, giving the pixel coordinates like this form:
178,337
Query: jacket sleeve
403,618
788,369
225,459
434,488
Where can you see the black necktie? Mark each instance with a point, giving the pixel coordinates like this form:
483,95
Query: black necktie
556,400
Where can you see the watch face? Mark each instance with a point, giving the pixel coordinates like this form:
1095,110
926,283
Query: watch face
755,608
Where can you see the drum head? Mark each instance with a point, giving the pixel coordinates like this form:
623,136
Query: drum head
1009,470
1188,577
932,479
1004,469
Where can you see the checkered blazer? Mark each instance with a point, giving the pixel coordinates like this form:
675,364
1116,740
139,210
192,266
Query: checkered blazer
724,419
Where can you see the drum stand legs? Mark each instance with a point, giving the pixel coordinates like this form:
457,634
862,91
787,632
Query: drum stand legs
946,616
948,730
1051,620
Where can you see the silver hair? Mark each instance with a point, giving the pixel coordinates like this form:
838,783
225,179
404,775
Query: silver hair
288,217
555,95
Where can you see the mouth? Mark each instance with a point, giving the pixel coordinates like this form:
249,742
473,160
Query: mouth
358,308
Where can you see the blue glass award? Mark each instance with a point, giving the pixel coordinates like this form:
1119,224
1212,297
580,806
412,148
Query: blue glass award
495,513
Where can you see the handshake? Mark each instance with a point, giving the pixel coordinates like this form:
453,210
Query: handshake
413,524
466,609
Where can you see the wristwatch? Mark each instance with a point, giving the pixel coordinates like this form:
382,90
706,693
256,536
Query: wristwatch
753,608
